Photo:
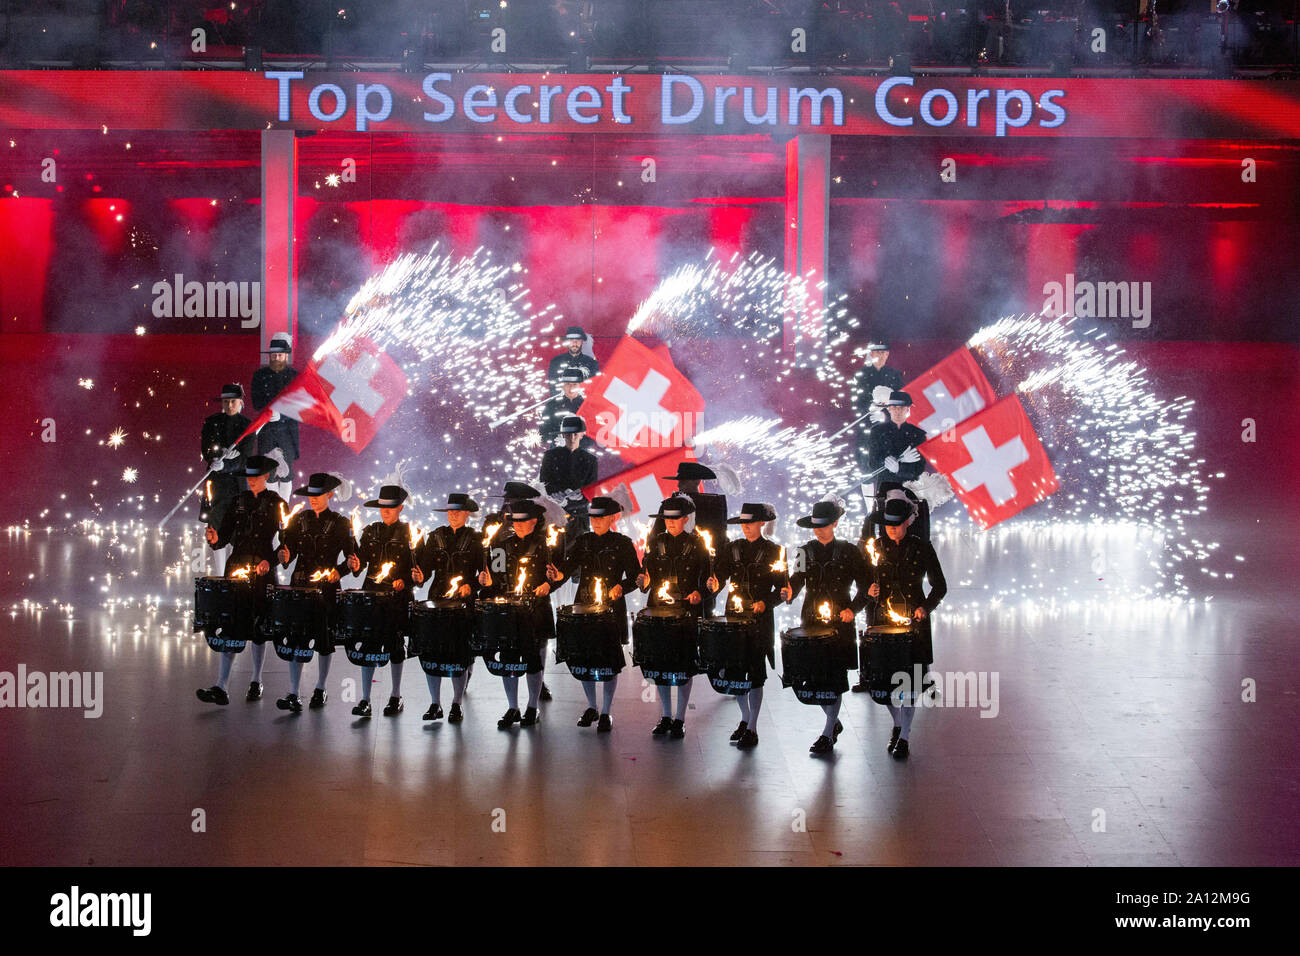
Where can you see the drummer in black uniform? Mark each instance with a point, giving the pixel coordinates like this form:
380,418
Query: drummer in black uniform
567,403
675,557
278,438
903,562
223,457
876,374
573,356
829,567
610,556
318,539
524,546
566,470
249,527
450,553
387,560
755,568
710,510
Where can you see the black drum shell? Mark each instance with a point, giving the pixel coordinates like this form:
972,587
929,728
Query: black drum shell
590,641
508,636
370,626
811,663
665,645
732,653
442,636
225,610
298,621
886,650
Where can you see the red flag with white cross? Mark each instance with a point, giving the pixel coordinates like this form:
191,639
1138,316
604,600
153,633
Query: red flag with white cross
351,393
995,462
949,393
640,490
640,405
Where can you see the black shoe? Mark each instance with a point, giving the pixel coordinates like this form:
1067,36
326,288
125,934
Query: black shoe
893,740
362,709
394,707
861,687
435,712
822,745
511,716
546,693
747,740
212,695
664,725
678,729
739,731
588,717
254,691
835,734
604,725
529,718
318,698
290,702
456,716
900,750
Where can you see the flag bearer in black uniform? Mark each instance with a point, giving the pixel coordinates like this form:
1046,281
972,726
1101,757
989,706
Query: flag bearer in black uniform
249,527
225,459
894,445
567,403
566,470
876,374
451,553
904,562
318,539
710,510
387,542
278,438
605,554
525,546
574,341
755,567
678,557
829,567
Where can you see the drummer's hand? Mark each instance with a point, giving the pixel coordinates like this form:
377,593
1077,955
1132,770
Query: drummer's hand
399,584
713,584
485,579
874,590
787,594
616,592
417,575
643,580
919,614
465,590
263,567
694,597
846,616
211,534
542,589
354,563
284,555
553,573
759,607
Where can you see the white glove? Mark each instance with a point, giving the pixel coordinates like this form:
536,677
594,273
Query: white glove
216,465
880,394
573,494
231,455
910,456
282,466
275,416
876,416
891,464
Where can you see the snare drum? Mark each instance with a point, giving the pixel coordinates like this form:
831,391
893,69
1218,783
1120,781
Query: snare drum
811,663
508,636
298,622
589,639
368,628
665,644
442,633
731,653
887,651
224,612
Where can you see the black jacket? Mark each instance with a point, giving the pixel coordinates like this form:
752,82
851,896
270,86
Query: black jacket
682,561
562,361
867,380
710,514
445,555
508,554
829,572
281,434
900,572
563,469
249,526
888,439
610,556
747,565
554,412
318,542
381,543
219,431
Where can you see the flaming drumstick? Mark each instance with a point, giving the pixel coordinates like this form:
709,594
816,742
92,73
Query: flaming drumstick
737,604
872,552
320,575
416,536
824,611
523,575
553,535
383,571
287,516
779,563
893,615
599,590
663,595
241,573
454,587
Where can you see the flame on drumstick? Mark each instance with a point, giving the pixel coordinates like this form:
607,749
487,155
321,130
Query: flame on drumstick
383,571
707,538
454,587
320,575
893,615
552,535
663,595
490,532
737,604
779,563
872,552
417,535
207,490
287,516
523,576
356,522
645,535
824,611
600,590
241,573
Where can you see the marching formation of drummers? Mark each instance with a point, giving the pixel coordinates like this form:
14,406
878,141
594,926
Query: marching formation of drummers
490,593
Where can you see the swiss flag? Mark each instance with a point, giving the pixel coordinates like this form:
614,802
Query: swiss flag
351,393
640,405
996,463
644,486
949,393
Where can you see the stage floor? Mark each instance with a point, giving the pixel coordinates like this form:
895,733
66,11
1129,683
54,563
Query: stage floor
1120,738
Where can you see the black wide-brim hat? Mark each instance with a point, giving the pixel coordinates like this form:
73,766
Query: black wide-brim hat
524,510
572,375
602,507
896,511
233,390
458,501
319,484
877,345
692,471
572,425
280,342
515,490
676,506
898,399
753,511
257,465
575,332
390,496
823,513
